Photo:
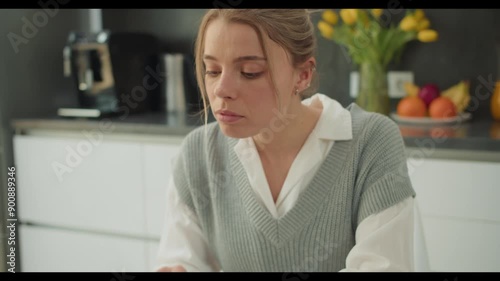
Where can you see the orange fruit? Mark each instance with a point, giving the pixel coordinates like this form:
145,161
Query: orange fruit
495,130
411,107
442,107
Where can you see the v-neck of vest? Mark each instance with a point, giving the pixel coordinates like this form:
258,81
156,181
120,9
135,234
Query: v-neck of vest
280,230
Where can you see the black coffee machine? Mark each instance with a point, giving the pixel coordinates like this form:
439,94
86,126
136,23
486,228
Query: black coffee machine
115,73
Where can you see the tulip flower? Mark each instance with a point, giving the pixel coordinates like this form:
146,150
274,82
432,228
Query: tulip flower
368,38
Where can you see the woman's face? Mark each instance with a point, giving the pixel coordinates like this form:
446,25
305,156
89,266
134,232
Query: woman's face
238,82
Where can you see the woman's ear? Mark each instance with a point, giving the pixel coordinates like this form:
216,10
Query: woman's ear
306,71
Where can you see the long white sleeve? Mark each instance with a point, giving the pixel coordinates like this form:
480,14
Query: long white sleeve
384,241
182,241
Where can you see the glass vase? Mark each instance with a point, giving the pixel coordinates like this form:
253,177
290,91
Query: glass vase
373,92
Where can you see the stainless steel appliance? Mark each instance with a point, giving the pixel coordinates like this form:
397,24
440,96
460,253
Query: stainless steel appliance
110,71
180,94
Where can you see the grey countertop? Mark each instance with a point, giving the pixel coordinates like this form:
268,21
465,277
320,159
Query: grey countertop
476,136
151,123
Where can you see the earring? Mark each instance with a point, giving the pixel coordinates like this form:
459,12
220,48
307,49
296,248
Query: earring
296,91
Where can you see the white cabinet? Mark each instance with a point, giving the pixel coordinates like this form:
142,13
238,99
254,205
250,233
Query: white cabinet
100,206
158,161
152,248
102,189
458,245
460,212
45,249
93,206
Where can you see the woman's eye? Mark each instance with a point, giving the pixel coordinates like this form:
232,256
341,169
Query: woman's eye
212,73
251,75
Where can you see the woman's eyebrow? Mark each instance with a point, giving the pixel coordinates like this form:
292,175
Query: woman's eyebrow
238,59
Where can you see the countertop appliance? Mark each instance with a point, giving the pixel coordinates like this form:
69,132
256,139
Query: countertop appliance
180,94
114,73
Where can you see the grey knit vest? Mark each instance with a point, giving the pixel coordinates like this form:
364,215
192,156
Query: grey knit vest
359,177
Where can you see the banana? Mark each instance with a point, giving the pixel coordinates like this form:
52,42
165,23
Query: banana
411,89
459,95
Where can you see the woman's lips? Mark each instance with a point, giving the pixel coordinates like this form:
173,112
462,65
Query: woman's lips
227,116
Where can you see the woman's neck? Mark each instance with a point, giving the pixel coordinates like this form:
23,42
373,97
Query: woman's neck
287,132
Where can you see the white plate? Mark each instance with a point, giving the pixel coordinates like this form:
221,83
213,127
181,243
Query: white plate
462,117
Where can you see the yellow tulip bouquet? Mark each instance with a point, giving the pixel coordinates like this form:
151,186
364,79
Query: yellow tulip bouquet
373,44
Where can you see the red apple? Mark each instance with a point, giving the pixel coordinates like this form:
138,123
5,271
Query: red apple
428,93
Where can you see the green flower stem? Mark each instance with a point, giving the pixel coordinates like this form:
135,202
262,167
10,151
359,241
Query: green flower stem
373,95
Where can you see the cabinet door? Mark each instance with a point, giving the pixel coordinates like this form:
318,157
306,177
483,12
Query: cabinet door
80,183
153,248
459,189
460,213
158,162
456,245
45,249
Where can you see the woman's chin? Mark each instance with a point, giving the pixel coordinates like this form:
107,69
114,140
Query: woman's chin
237,132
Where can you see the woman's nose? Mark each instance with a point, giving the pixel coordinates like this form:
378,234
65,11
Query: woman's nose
226,87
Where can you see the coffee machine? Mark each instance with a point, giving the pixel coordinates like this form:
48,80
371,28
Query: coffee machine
113,72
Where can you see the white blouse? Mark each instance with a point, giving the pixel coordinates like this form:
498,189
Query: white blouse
384,241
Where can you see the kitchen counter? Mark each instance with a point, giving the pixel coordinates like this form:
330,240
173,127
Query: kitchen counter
473,140
152,123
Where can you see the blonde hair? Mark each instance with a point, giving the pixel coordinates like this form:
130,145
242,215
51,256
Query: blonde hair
292,29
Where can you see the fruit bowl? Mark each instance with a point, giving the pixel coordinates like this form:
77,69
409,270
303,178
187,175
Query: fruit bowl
460,118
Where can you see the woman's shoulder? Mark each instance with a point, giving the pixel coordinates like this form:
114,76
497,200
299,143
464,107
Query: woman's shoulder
200,133
202,130
368,124
204,135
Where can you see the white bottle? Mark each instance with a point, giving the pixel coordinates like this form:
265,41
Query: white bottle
175,92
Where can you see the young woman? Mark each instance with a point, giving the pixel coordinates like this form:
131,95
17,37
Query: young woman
283,181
